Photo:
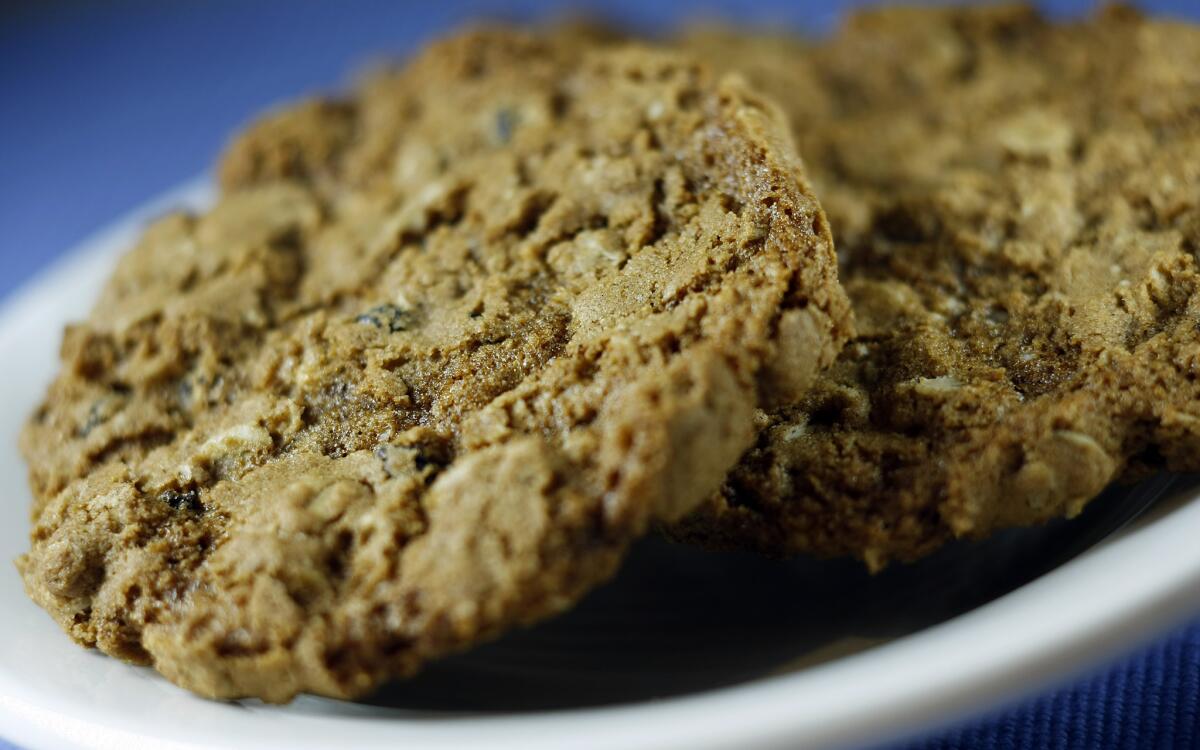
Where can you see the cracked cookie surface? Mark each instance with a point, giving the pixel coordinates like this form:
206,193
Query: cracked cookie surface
1016,205
441,350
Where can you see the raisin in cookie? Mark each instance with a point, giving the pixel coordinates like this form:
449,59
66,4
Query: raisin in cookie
441,350
1016,205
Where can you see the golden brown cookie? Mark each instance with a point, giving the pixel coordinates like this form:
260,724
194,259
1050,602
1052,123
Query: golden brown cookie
1016,205
440,352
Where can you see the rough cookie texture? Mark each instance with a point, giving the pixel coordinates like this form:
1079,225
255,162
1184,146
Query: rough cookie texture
1017,210
439,353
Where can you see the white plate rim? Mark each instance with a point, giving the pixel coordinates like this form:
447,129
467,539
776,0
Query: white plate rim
1128,588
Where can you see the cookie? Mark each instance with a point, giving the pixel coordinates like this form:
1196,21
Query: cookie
1016,205
440,352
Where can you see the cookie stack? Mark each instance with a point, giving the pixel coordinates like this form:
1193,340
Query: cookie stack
445,347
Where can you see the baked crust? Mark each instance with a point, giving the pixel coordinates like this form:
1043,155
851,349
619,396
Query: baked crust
440,352
1016,205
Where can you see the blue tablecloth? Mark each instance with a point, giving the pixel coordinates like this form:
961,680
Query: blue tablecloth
103,105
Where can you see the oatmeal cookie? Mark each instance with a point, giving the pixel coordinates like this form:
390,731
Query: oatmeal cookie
442,349
1016,205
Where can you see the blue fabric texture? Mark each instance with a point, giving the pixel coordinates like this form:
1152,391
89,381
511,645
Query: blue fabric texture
1148,700
106,104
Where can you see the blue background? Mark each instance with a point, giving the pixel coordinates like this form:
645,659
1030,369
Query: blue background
104,105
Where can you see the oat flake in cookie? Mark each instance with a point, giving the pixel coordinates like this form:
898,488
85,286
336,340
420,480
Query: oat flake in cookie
438,354
1017,207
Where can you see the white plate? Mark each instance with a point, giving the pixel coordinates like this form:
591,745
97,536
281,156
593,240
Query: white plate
686,649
